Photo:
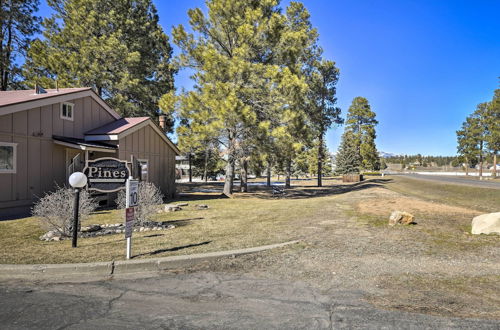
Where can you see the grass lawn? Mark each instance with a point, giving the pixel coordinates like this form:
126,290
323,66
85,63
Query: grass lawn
247,220
227,224
481,199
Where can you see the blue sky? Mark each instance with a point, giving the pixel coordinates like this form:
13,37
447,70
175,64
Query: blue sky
423,65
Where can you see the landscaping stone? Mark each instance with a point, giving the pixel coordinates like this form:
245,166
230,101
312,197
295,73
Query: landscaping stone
201,206
172,208
105,229
400,217
91,228
486,224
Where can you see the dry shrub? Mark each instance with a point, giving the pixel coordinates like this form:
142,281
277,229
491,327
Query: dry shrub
148,200
55,209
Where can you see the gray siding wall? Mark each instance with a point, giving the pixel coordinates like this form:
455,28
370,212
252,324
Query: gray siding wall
41,164
145,143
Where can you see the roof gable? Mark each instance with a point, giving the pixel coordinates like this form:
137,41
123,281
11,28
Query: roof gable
118,126
21,100
126,126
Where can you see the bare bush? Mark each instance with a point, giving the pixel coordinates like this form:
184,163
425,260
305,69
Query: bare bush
149,197
55,209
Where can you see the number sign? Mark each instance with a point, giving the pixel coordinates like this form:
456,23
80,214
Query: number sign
132,193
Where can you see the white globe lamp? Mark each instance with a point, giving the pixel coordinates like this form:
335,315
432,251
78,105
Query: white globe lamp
78,180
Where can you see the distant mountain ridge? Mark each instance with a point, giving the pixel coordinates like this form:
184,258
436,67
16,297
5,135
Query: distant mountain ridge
384,154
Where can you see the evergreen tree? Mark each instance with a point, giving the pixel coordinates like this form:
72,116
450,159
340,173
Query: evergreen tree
361,124
348,159
298,51
323,112
116,47
17,25
471,137
493,124
244,92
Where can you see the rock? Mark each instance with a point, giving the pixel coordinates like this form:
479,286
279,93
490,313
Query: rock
201,206
399,217
488,223
56,238
91,228
172,208
141,229
182,204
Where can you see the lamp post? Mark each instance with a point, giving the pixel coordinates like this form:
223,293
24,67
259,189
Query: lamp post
77,180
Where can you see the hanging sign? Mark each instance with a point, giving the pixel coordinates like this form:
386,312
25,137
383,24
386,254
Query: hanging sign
106,174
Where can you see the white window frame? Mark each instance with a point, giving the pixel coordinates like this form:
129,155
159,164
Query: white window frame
14,169
72,111
147,163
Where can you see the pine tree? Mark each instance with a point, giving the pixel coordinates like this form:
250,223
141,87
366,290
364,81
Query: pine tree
493,124
323,112
361,124
116,47
471,137
244,89
17,25
348,159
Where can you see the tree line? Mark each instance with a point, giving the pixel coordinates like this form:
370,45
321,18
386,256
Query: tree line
479,135
264,95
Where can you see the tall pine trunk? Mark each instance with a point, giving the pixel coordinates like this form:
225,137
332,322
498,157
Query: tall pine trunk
466,166
494,174
321,155
190,169
481,161
268,174
244,176
205,169
228,182
288,173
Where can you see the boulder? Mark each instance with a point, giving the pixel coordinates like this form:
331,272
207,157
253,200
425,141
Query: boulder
91,229
400,217
172,208
488,223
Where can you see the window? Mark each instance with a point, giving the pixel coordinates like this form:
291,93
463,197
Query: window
144,169
8,153
67,111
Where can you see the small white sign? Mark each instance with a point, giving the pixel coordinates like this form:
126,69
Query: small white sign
132,193
129,221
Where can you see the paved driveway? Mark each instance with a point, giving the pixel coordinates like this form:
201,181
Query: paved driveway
202,300
475,182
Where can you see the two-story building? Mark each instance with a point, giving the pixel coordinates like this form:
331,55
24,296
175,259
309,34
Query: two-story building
45,136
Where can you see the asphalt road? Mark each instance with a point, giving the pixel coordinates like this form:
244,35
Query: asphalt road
474,182
202,300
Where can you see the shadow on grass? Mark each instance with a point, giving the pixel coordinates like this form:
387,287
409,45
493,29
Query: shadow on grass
153,235
301,192
191,191
177,248
181,222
